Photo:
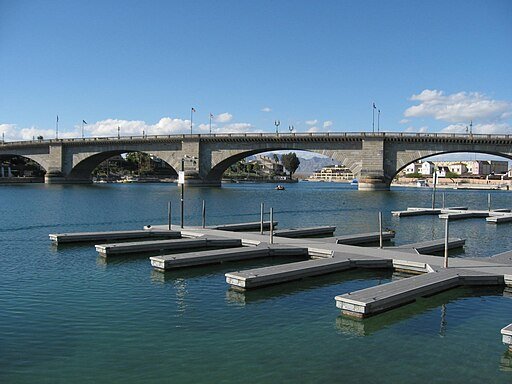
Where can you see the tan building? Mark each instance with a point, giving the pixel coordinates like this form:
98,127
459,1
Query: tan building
332,173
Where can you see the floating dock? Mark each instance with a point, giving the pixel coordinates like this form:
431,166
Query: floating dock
277,274
374,300
418,211
183,260
81,237
305,232
241,227
505,218
106,250
364,238
506,334
431,246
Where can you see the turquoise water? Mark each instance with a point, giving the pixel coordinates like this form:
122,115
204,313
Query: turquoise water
67,315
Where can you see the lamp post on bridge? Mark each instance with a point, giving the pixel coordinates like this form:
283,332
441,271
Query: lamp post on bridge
277,123
373,117
378,120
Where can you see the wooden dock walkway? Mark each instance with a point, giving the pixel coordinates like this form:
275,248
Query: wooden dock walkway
216,256
374,300
81,237
106,250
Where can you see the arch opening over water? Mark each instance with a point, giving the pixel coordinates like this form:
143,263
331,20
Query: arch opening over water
17,166
121,165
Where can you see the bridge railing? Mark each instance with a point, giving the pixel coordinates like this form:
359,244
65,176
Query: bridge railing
262,135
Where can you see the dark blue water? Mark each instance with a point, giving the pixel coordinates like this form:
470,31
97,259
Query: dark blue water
67,315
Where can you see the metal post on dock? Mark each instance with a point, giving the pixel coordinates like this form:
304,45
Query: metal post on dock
446,234
262,214
182,190
489,202
169,223
380,229
204,214
271,225
443,200
434,179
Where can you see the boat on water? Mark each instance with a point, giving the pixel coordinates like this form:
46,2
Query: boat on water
280,188
421,183
354,182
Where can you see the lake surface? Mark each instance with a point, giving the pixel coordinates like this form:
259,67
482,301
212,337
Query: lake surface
67,315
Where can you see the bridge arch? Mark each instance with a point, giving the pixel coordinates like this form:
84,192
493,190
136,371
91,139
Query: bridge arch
35,158
408,158
83,169
223,161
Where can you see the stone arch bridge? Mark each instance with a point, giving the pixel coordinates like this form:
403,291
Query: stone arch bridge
375,158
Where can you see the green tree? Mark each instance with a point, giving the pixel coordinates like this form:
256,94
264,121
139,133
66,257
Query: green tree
291,162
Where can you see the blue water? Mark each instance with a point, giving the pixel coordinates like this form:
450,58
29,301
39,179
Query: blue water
67,315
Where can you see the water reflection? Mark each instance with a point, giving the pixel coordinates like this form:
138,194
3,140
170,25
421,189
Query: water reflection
506,361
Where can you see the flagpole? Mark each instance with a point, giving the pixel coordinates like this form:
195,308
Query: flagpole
57,128
82,129
210,123
191,117
378,120
373,117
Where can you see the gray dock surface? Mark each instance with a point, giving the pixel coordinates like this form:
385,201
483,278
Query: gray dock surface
505,218
380,298
305,232
106,250
190,259
240,227
430,246
277,274
364,238
77,237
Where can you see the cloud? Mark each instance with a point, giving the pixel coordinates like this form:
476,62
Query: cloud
414,129
266,109
165,126
313,129
311,122
404,121
223,117
498,128
327,124
458,107
11,132
236,128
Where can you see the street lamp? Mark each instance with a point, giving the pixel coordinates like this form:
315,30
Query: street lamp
291,128
378,120
373,117
277,123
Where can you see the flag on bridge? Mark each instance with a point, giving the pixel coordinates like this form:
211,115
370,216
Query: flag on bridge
193,109
83,121
374,107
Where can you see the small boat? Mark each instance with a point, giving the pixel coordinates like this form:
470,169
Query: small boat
421,183
280,188
354,182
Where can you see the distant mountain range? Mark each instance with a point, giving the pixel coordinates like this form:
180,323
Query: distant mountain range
310,165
